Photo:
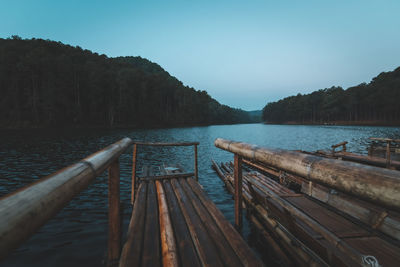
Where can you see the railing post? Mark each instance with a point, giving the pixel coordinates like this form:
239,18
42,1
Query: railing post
133,187
387,154
196,168
114,218
238,190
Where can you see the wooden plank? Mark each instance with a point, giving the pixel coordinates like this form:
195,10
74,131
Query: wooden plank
133,248
334,240
133,181
335,223
114,215
167,176
384,252
238,190
279,254
168,244
186,249
235,240
205,247
224,249
151,242
166,144
196,168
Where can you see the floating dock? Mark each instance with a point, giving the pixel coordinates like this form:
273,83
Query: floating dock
173,222
307,223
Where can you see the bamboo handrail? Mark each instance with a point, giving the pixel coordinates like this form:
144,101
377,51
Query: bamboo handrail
166,144
377,185
23,212
136,144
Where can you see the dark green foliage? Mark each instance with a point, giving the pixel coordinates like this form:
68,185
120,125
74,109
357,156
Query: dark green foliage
45,83
376,102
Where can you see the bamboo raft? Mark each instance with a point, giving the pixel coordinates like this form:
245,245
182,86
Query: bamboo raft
323,222
387,156
173,222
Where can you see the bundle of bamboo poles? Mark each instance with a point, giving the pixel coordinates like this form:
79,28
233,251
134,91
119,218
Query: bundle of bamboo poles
377,185
294,252
378,218
277,221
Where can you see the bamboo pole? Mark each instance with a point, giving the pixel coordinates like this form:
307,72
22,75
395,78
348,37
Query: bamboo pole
114,214
301,251
196,168
238,190
167,144
387,154
38,202
336,242
168,247
378,185
167,176
133,186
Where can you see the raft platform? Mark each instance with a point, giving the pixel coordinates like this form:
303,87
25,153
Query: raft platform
328,220
173,222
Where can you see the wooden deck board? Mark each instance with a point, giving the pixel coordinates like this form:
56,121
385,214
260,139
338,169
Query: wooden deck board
202,236
364,240
151,243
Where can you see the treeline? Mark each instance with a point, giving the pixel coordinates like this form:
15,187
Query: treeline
377,103
45,83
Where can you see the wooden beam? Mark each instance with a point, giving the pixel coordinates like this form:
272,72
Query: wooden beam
196,168
387,154
167,176
238,190
133,186
375,184
114,215
385,139
167,144
168,243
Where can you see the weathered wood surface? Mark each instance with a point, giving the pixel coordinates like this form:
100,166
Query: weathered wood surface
379,218
167,176
114,214
378,185
38,202
166,144
369,160
188,228
133,182
301,255
334,237
384,139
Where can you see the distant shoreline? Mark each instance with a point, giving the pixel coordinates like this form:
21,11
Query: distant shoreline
342,123
115,127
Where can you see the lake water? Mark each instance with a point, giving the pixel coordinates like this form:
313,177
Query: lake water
77,236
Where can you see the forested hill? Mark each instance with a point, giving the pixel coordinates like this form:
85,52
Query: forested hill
45,83
377,102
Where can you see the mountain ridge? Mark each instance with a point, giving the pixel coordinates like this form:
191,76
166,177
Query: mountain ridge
50,84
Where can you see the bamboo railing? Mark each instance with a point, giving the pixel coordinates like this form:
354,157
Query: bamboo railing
381,186
23,212
135,148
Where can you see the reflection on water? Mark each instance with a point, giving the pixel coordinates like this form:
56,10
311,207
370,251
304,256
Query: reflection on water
78,234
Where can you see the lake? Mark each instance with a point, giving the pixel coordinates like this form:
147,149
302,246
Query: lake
78,234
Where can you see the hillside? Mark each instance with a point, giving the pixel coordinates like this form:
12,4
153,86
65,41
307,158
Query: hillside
49,84
377,102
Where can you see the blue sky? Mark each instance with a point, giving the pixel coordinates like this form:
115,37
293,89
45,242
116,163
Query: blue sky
243,53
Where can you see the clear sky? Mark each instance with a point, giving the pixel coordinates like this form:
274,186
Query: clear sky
243,53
